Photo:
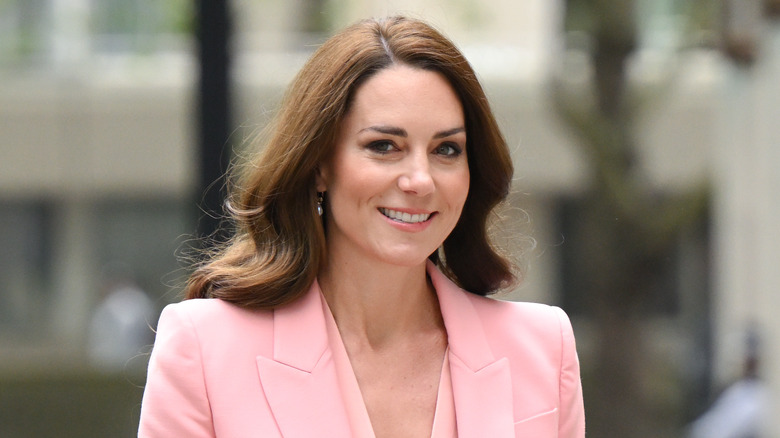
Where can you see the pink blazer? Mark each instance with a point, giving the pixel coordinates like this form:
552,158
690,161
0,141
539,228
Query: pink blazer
218,370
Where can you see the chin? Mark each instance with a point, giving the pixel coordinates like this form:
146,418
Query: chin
407,260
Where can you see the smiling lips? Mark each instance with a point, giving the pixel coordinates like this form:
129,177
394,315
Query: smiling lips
408,218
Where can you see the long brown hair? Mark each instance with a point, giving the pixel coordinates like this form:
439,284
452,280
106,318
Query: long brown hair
279,242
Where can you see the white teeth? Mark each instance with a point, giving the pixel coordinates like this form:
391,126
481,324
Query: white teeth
404,217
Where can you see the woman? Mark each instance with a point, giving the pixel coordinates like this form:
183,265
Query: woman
338,308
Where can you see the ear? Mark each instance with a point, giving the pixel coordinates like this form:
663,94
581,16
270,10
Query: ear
320,178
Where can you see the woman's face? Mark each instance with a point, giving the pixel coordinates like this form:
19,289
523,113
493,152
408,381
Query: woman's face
398,177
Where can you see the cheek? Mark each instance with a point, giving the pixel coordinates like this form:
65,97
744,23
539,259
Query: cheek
462,185
456,190
354,184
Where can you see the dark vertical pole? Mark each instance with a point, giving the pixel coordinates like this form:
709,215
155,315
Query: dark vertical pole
741,29
214,104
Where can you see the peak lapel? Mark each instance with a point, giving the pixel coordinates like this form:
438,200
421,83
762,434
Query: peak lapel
300,381
481,384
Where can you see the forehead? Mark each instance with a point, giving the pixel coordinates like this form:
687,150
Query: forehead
401,93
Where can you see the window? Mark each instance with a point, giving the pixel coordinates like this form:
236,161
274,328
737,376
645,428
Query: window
25,265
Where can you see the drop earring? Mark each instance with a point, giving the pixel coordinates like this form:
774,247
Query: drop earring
319,203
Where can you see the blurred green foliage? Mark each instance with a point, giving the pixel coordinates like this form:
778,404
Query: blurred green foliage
142,17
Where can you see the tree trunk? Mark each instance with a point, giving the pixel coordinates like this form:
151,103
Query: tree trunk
629,229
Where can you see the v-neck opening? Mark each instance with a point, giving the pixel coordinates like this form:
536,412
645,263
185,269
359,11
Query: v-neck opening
444,421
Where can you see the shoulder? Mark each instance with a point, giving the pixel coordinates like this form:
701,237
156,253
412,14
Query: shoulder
500,315
503,321
209,322
522,330
212,311
204,352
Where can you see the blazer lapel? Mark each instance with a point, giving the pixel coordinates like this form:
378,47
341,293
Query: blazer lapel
301,384
300,381
481,384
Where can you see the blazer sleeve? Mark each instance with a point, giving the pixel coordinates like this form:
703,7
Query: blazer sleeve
175,401
571,422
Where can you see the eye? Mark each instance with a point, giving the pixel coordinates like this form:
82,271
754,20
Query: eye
381,146
448,149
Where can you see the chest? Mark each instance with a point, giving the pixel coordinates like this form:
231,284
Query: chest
400,388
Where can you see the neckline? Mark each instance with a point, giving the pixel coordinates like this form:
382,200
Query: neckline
359,420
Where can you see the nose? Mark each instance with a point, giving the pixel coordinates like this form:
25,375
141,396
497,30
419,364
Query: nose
416,177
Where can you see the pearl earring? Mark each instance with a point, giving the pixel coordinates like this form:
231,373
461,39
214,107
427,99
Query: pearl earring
319,203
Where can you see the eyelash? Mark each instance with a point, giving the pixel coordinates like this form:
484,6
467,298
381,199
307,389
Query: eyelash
381,147
454,147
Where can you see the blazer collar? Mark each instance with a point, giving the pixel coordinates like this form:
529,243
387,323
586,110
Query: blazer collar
481,383
300,381
466,336
300,338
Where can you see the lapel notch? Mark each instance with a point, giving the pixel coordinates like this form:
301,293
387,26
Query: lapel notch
481,384
300,381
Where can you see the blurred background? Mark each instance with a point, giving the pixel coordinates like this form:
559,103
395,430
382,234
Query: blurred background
646,139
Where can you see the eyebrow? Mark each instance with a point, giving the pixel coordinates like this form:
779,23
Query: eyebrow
400,132
449,132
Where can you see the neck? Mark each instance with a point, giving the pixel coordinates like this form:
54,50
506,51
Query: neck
380,304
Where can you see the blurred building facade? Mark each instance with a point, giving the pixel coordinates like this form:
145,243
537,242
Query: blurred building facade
98,163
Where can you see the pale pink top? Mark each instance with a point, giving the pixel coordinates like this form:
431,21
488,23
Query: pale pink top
444,423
